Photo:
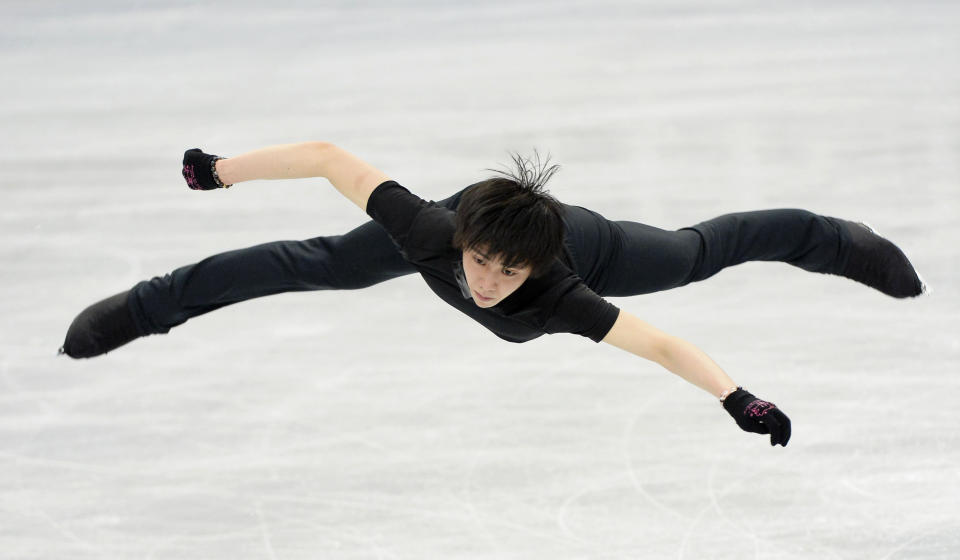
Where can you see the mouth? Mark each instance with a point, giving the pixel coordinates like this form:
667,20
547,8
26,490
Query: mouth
480,298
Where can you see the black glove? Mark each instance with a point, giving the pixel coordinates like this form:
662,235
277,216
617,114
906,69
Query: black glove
199,170
758,416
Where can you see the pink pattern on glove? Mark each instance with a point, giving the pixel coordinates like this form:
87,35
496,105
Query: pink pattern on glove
758,408
191,177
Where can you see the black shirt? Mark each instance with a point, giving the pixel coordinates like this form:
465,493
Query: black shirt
556,301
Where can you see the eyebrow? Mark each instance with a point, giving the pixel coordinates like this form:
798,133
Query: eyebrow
517,267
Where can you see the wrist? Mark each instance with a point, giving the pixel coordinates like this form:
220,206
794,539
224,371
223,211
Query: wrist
728,392
217,169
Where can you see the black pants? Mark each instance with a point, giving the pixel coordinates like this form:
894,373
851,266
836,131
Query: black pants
614,258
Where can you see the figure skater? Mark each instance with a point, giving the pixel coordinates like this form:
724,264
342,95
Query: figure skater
505,253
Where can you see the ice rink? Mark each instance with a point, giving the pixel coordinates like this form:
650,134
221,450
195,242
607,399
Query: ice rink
384,424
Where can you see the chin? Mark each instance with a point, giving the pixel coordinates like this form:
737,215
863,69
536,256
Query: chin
485,304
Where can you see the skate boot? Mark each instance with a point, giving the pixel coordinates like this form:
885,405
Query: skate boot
878,263
100,328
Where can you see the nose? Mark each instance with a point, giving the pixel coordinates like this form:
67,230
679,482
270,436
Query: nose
487,283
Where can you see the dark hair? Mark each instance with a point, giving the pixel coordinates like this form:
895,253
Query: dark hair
512,217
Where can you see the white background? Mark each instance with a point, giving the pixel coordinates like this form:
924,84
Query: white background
384,424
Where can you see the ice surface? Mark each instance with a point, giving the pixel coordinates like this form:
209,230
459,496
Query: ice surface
380,423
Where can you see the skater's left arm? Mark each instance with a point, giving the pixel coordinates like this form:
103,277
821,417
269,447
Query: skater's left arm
692,364
675,354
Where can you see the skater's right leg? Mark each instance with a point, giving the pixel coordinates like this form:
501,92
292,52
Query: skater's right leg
360,258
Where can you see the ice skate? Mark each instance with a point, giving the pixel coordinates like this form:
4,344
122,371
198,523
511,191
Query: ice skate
101,328
878,263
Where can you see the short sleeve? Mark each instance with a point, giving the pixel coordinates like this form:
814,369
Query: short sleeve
395,208
581,311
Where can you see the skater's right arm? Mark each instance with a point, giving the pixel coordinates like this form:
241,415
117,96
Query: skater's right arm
350,175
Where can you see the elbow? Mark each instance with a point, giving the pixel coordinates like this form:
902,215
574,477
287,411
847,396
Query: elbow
321,154
663,349
319,147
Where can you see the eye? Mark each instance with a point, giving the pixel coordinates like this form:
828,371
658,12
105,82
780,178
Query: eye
507,272
477,260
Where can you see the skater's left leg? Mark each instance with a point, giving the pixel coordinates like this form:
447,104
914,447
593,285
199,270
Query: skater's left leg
642,259
796,237
809,241
645,259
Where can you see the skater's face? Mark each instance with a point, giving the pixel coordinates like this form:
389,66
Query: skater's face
490,282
